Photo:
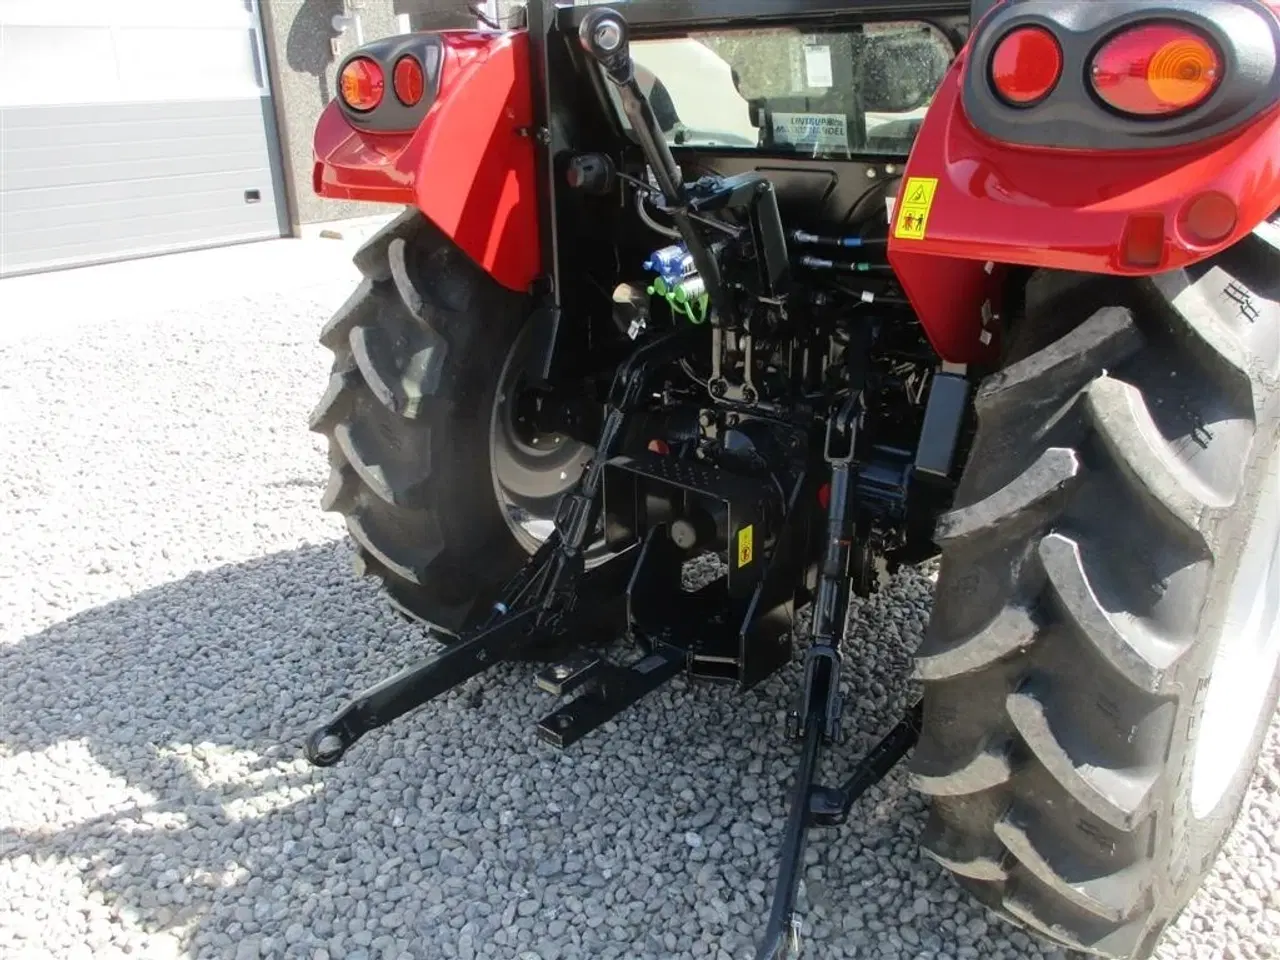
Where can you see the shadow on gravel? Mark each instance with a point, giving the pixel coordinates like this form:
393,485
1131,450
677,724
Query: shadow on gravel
453,834
190,699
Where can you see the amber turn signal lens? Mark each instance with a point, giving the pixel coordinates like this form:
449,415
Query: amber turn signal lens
1026,66
408,81
362,84
1156,70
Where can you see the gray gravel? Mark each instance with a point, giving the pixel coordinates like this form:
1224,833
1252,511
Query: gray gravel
176,612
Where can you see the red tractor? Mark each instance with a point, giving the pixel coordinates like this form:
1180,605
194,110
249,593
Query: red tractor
794,293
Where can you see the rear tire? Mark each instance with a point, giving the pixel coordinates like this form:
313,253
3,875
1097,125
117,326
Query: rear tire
1084,604
420,350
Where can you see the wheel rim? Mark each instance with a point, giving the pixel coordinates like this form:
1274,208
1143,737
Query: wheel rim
1248,652
531,471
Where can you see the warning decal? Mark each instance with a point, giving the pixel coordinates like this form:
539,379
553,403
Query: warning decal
746,536
913,211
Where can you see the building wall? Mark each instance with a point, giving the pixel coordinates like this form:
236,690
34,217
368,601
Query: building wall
133,129
303,52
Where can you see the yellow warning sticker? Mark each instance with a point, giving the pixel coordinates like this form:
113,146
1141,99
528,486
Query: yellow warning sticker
746,546
913,210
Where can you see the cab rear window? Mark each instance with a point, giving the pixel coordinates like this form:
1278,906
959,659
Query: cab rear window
856,91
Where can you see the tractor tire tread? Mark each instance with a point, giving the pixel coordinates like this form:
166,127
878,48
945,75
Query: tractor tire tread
1113,897
1024,498
400,412
1048,750
1121,418
1012,629
1106,339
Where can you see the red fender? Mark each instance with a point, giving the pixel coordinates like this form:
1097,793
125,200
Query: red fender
986,204
469,166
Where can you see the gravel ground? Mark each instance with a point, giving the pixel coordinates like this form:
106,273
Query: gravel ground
177,612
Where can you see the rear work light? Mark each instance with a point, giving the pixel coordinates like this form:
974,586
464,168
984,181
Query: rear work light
1026,66
1156,70
362,84
408,81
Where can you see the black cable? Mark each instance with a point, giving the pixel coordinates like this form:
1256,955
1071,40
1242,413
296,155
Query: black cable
478,11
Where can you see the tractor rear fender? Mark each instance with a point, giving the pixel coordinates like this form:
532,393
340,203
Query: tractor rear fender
463,155
1069,184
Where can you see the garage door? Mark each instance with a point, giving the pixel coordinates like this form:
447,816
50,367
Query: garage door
131,127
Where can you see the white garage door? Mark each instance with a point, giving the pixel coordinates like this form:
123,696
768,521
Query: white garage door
131,127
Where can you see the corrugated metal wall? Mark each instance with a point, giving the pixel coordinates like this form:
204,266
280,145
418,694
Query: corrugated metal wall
130,127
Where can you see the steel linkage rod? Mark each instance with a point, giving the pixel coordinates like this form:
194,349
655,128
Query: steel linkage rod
779,938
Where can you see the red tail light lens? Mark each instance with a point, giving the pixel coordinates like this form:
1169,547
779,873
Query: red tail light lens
1143,242
1156,70
362,84
408,81
1026,66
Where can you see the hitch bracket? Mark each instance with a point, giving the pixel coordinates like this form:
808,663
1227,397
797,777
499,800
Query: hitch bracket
611,690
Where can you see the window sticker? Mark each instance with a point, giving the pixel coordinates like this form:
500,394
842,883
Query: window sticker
824,131
817,66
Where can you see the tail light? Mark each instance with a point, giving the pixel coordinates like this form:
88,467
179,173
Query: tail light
1156,70
408,81
1208,218
1026,66
362,84
1142,244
